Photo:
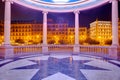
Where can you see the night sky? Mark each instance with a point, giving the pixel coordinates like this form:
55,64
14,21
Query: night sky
21,13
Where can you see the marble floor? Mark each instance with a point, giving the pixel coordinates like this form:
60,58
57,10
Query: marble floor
59,67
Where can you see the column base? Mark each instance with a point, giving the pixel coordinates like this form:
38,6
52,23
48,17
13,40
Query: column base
45,49
6,51
116,45
76,49
114,52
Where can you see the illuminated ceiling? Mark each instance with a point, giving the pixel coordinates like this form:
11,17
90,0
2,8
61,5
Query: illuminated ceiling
60,5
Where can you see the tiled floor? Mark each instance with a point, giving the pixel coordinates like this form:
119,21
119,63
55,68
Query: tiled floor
59,67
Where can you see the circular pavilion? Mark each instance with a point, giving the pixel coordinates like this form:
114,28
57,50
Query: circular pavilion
99,65
60,6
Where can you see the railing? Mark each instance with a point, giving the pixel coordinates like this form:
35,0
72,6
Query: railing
37,49
60,48
29,49
118,51
33,49
95,50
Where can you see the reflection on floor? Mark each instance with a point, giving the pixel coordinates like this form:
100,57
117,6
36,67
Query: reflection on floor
59,67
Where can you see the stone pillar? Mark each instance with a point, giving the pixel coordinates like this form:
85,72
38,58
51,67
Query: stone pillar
76,46
45,46
114,49
7,22
115,41
7,49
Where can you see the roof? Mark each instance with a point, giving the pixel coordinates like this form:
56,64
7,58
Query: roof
61,5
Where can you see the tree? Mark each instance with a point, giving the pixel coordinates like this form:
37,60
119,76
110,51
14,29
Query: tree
81,42
35,42
41,41
21,41
91,41
51,42
108,42
62,42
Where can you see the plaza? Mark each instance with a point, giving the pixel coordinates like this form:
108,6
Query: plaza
57,67
57,61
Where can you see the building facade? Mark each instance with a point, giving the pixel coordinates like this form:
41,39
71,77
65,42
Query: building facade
32,33
101,31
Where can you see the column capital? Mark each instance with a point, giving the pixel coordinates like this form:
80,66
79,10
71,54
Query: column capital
11,1
45,12
77,11
113,0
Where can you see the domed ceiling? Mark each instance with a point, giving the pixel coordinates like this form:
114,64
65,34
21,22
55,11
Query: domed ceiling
61,5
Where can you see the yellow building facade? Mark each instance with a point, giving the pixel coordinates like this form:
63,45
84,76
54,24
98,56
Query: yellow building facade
82,34
57,33
101,31
31,33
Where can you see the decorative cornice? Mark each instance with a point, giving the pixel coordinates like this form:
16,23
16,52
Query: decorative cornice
110,1
11,1
67,7
45,12
77,11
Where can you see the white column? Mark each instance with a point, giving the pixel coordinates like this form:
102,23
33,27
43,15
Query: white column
115,22
7,22
45,46
76,46
45,28
113,50
76,27
7,49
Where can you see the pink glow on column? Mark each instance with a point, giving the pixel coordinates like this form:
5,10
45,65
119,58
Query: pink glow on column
45,27
76,27
7,22
115,22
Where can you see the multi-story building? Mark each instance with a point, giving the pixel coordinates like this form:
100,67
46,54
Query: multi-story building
37,32
22,31
101,31
71,35
119,29
1,31
31,32
82,34
57,33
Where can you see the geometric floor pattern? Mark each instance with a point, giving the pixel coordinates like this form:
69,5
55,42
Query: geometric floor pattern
59,67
